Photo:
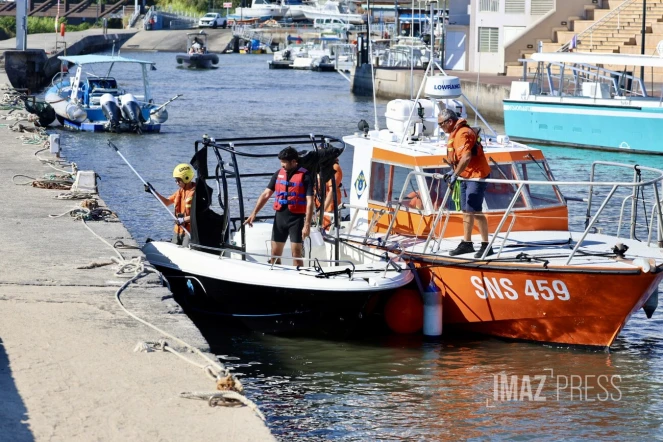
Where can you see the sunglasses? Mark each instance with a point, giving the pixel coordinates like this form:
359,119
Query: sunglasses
444,122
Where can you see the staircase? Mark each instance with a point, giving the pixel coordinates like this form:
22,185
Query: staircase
615,28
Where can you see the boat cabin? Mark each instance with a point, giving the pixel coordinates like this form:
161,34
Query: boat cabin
94,87
87,88
402,187
397,176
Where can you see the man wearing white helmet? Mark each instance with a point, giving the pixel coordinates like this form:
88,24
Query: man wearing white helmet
182,199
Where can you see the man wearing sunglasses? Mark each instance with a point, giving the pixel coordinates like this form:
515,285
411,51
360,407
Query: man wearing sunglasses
467,161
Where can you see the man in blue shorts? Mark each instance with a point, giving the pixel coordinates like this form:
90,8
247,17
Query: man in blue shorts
467,161
293,189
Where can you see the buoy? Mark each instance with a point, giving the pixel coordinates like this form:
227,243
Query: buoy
62,29
404,311
432,310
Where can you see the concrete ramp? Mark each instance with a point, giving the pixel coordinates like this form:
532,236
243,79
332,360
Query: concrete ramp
175,40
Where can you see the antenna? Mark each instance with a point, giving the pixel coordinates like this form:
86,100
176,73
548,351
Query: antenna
476,100
370,54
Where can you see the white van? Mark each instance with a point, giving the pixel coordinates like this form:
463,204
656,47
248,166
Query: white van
332,23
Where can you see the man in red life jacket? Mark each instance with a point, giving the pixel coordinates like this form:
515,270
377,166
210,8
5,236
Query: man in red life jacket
293,203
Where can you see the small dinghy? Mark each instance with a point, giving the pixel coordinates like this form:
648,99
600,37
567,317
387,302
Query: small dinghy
197,56
226,268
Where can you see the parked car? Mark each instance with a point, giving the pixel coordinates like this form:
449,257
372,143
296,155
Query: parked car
334,24
212,20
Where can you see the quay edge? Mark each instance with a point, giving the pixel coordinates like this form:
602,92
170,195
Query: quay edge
67,366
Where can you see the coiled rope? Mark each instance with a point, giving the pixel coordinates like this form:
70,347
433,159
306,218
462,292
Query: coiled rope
228,386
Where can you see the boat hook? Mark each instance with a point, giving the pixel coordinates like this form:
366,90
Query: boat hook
157,109
110,143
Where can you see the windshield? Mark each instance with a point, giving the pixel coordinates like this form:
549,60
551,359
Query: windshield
210,15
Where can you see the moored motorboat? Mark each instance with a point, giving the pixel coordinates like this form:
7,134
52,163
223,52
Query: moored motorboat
581,100
197,55
78,103
549,280
226,269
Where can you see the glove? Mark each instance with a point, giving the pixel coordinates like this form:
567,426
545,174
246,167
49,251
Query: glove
450,178
148,188
180,219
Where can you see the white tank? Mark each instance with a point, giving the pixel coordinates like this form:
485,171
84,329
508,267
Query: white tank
398,112
443,86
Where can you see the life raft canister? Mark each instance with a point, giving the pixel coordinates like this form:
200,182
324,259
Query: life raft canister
291,193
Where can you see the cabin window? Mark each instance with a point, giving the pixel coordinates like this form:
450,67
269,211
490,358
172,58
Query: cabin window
379,183
437,189
498,196
401,184
488,39
540,196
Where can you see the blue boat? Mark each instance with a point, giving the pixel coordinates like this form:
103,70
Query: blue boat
587,100
97,103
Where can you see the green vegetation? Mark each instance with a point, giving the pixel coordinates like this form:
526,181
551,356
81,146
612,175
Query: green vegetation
37,25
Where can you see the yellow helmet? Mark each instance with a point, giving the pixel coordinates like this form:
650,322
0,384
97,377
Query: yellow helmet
184,172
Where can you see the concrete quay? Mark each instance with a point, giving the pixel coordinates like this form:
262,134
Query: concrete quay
68,370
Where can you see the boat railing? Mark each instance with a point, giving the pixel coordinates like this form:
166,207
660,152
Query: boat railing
637,186
376,214
615,13
225,252
621,83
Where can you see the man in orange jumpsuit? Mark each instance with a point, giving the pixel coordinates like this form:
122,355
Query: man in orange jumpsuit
467,161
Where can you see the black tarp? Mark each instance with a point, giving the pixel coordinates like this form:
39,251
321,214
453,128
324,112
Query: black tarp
206,225
320,161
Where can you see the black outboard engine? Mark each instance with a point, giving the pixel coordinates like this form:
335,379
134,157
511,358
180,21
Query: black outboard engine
112,111
131,112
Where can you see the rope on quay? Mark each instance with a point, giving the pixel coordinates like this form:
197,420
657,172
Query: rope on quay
229,388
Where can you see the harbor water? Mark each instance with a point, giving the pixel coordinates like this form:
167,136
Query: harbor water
382,386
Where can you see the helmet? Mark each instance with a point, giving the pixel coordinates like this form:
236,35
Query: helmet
184,172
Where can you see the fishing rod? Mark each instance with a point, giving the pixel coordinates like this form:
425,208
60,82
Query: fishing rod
110,143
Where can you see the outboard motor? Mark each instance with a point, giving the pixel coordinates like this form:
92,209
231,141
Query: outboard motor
112,111
131,112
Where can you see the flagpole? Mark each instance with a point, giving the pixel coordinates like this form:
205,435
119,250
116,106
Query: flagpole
642,49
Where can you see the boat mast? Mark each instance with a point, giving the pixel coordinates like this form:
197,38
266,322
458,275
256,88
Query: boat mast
642,49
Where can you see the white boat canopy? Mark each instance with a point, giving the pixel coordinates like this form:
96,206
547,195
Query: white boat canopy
596,59
91,59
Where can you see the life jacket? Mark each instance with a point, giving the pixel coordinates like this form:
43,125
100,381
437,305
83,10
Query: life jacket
290,193
476,149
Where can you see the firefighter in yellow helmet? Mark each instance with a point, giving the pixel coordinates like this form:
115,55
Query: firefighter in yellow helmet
182,199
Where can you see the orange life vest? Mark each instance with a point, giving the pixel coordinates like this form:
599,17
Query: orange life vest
290,193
